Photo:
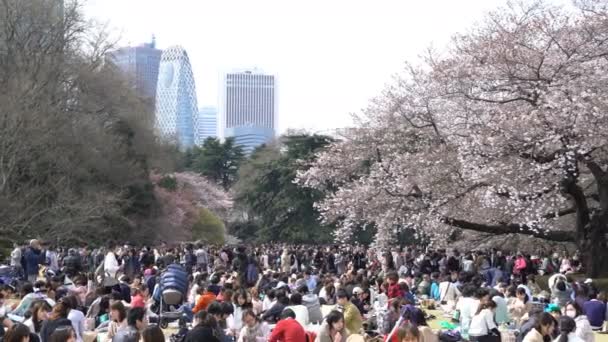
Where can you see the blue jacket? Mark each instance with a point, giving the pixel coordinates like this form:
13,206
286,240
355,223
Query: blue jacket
33,258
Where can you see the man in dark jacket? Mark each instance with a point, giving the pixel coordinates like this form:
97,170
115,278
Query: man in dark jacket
72,263
33,259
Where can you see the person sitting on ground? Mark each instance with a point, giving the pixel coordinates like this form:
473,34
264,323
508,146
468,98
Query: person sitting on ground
254,329
274,313
545,324
583,327
75,316
333,329
482,323
57,319
204,328
295,304
135,324
311,302
352,316
39,313
520,306
288,329
567,326
118,316
362,299
205,300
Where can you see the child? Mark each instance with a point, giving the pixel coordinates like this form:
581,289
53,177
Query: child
138,300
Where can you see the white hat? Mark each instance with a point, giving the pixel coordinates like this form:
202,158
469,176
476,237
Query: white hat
357,290
588,281
280,285
294,276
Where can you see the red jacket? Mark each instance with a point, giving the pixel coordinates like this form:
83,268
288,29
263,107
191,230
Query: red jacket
394,291
288,330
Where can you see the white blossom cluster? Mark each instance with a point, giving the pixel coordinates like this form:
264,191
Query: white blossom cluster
482,136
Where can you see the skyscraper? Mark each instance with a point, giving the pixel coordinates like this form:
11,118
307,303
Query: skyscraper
141,64
176,106
207,124
249,108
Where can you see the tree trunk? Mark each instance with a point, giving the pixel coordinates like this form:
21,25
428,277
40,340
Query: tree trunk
593,248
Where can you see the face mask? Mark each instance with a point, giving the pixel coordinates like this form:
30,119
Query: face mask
571,313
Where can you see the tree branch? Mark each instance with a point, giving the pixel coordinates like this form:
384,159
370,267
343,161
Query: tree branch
513,228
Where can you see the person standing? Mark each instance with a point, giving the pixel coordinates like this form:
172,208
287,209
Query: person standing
33,259
16,256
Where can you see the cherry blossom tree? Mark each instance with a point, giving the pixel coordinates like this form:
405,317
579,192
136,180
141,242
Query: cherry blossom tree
502,132
181,206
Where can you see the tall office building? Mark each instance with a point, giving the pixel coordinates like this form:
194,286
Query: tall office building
207,124
176,106
249,108
141,64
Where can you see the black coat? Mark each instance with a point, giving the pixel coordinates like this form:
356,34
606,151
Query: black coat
49,327
200,333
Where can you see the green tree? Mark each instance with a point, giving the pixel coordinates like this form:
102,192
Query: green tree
209,228
281,210
216,160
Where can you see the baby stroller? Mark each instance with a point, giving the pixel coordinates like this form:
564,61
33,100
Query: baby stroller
171,292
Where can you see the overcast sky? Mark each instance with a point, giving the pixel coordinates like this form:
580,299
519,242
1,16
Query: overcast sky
330,56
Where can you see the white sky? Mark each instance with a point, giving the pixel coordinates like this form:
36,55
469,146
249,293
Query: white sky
330,56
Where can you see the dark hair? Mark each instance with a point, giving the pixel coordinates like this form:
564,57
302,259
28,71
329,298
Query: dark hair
122,311
522,291
26,289
215,308
17,333
135,314
414,315
153,334
487,305
70,301
39,305
566,326
334,317
227,309
482,292
201,315
60,310
62,334
341,293
288,313
407,329
544,319
576,307
303,289
468,290
296,299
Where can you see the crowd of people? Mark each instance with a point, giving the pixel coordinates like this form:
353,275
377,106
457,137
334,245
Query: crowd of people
296,293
